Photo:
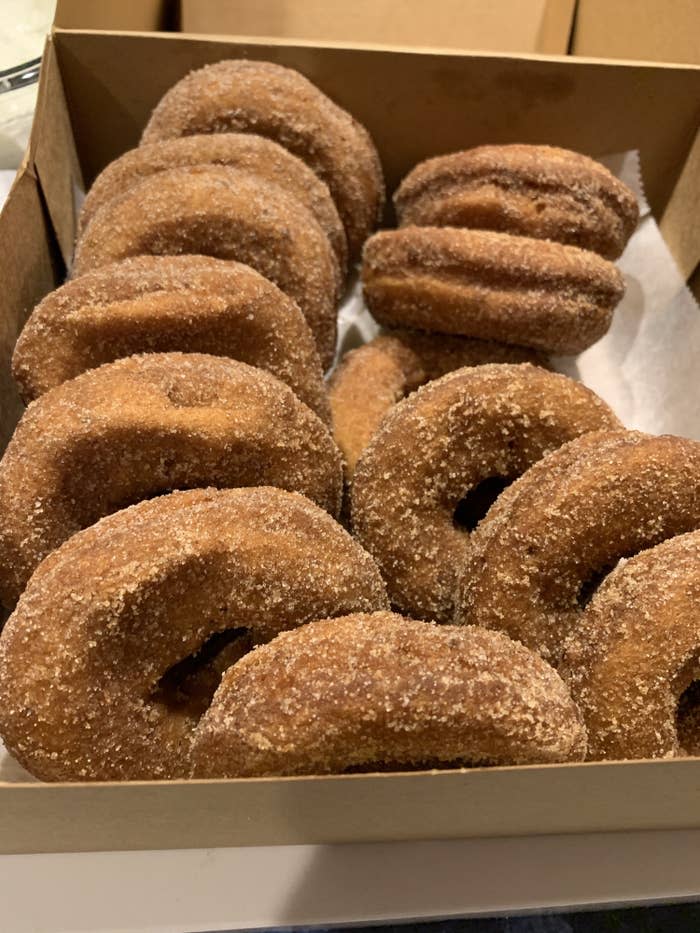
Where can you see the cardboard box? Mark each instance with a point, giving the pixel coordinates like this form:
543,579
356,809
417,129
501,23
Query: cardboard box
137,15
498,25
96,93
649,30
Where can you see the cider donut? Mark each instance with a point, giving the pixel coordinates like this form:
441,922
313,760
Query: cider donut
229,214
434,450
633,663
378,692
245,151
163,303
374,377
109,617
494,286
143,426
280,104
535,191
568,520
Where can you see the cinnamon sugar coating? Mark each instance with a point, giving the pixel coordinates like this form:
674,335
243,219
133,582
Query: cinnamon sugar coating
536,191
637,651
245,151
280,104
143,426
374,377
371,692
163,303
229,214
82,658
439,445
493,286
569,519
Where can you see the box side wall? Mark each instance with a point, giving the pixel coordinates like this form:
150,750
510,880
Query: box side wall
498,25
139,15
655,30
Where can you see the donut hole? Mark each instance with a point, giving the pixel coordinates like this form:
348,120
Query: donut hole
187,688
473,507
592,583
688,719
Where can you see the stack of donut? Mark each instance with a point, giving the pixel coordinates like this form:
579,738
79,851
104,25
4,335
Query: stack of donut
186,603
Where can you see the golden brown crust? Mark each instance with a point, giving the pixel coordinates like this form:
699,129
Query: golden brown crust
244,151
164,303
280,104
636,652
371,379
104,617
145,425
535,191
568,519
229,214
440,444
493,286
369,692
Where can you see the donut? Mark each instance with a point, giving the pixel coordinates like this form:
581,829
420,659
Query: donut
229,214
94,683
280,104
143,426
633,662
541,549
165,303
494,286
245,151
419,486
534,191
372,378
377,692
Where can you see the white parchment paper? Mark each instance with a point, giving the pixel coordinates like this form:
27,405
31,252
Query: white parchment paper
645,367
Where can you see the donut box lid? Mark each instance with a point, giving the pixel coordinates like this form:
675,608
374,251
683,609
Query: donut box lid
96,92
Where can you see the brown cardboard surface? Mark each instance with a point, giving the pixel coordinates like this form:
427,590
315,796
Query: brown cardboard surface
497,25
416,104
649,30
679,224
142,15
351,808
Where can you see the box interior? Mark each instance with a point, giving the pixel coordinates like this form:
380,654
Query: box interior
97,91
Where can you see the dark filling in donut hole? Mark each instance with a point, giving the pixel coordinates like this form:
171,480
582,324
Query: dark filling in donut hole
187,688
688,719
474,506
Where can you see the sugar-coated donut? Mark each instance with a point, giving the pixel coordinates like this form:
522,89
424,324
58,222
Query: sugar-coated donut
558,299
164,303
143,426
535,191
372,692
229,214
435,449
569,519
374,377
92,680
279,103
633,663
244,151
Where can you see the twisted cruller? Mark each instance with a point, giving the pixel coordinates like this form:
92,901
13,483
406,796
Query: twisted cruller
116,646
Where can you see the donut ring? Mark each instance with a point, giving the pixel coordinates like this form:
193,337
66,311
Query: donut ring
228,214
280,104
558,299
164,303
244,151
105,616
143,426
636,652
379,692
374,377
567,520
534,191
440,444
